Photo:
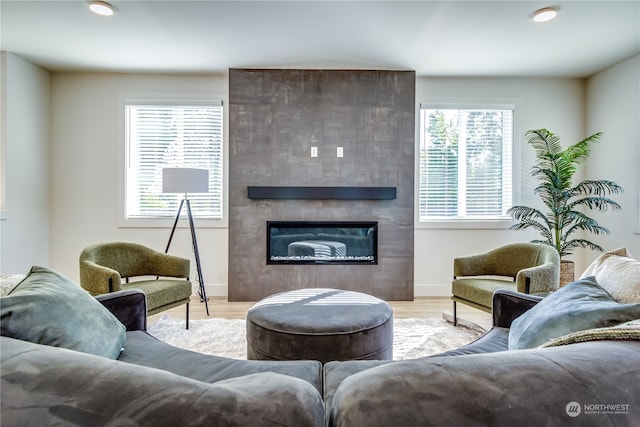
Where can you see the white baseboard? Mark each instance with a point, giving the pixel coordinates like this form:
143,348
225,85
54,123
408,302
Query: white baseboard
212,289
420,290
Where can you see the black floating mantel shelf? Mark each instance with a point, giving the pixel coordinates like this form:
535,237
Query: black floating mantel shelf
338,193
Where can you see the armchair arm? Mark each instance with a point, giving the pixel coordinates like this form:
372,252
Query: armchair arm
542,278
128,306
97,279
509,305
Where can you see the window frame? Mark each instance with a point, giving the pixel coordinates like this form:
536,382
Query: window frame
468,103
213,99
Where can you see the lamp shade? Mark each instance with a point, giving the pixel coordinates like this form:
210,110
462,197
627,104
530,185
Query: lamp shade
185,180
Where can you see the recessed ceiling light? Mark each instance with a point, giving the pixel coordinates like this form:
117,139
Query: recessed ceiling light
545,14
101,8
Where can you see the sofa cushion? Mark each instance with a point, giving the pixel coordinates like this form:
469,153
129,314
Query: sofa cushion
618,273
479,289
507,388
85,390
48,308
578,306
144,350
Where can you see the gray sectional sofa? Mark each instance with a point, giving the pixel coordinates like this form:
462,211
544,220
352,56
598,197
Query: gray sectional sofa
485,384
590,377
145,383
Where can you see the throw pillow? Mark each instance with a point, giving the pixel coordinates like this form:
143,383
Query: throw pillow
622,332
575,307
8,282
618,273
48,308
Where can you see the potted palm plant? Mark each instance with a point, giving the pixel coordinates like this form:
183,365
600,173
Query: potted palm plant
565,202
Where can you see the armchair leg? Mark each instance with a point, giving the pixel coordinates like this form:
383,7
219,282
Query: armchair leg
455,316
187,316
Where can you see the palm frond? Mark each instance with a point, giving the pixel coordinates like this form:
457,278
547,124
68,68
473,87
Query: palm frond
544,142
539,227
580,151
563,173
567,247
601,204
575,221
591,228
520,213
548,242
597,188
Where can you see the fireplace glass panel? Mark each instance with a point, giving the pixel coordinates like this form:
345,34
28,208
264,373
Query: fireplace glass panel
310,242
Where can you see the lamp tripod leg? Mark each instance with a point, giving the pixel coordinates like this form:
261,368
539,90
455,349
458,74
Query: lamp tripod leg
203,292
175,223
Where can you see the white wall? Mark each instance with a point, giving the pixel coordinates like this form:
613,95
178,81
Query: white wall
86,136
24,223
613,107
555,104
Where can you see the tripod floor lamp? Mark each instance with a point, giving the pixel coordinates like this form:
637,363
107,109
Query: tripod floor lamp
187,180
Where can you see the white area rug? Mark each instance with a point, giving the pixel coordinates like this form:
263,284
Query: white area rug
227,337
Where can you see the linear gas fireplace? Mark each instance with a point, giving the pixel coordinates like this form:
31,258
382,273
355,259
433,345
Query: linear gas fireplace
328,242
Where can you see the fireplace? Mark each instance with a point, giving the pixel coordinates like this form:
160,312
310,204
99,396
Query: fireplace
327,242
371,114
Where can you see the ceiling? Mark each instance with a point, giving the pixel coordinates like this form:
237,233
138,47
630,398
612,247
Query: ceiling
434,38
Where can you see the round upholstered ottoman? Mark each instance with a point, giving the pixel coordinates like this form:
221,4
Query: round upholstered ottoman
320,324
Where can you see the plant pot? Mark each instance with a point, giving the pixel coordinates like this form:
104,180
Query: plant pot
567,272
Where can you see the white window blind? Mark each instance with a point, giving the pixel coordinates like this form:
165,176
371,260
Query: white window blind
465,163
164,136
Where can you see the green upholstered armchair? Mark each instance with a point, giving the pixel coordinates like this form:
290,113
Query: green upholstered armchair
103,267
531,268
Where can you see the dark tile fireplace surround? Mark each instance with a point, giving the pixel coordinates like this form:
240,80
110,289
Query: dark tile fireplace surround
275,117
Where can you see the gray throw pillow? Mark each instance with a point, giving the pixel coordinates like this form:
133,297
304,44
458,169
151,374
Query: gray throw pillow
48,308
578,306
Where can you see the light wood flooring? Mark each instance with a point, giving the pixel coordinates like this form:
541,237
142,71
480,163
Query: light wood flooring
419,307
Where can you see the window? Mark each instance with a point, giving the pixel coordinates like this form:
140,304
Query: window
159,136
465,163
